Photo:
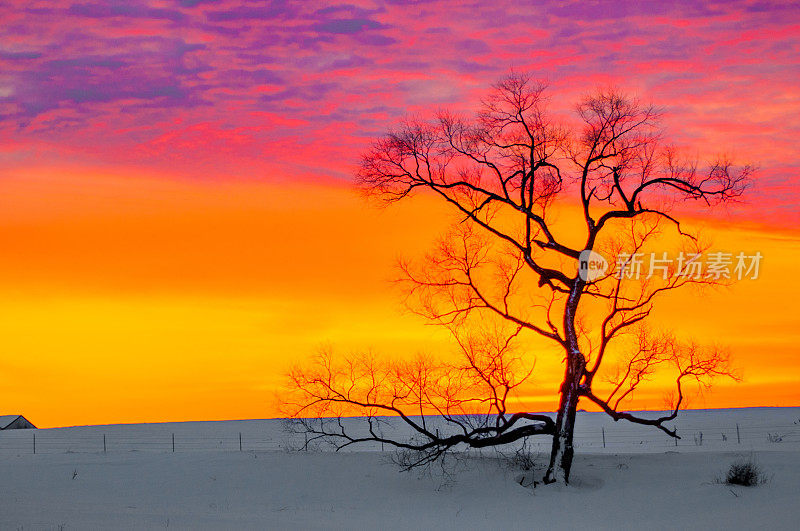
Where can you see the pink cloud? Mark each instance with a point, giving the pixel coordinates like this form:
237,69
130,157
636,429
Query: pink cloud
299,88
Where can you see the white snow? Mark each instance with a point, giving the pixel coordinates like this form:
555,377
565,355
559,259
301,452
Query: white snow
640,480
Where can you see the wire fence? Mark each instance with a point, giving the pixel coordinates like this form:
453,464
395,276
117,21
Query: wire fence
691,436
592,434
41,442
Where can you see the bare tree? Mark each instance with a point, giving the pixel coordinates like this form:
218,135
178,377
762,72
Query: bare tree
445,404
508,262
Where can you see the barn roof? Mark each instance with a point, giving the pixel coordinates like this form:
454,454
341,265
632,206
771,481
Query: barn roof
6,420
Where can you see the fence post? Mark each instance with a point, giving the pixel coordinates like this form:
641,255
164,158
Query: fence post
104,443
173,443
34,443
604,436
240,441
738,438
305,447
676,439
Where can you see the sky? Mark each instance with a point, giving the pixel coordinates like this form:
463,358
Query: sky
178,223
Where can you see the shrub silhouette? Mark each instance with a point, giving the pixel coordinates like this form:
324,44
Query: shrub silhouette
745,473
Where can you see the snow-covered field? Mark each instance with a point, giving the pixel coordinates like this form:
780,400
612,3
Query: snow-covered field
638,480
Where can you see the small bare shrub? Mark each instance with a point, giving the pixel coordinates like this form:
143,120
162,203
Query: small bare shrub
774,437
745,472
523,458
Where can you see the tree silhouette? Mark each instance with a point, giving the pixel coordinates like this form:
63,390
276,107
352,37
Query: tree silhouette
505,272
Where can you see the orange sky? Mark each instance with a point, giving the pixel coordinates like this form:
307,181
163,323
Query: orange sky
155,299
177,225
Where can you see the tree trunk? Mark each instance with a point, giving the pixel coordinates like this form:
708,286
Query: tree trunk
562,450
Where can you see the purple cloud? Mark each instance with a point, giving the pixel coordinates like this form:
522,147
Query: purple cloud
126,10
274,10
347,26
109,81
